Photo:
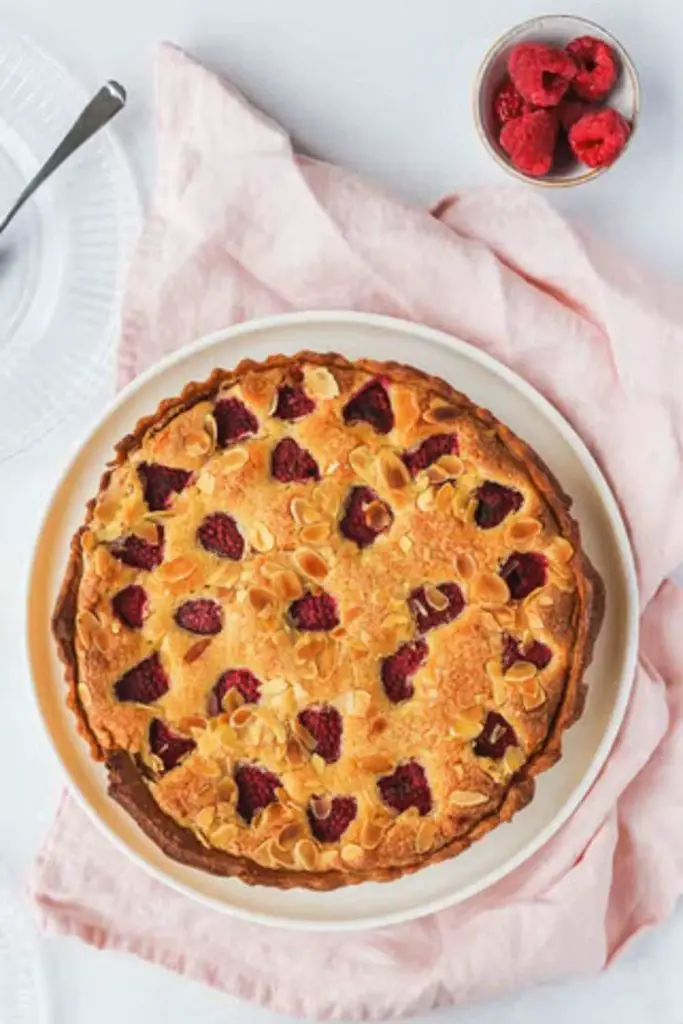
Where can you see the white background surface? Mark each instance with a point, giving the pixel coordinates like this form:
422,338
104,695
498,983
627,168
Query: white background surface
382,86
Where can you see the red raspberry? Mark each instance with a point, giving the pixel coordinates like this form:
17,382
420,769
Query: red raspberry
331,828
290,463
398,668
202,615
129,606
530,142
145,683
426,617
541,73
569,112
372,405
292,403
356,525
256,789
233,421
407,787
240,679
219,534
535,652
314,613
496,736
494,503
170,747
523,572
598,137
597,68
325,726
160,483
139,553
429,451
508,103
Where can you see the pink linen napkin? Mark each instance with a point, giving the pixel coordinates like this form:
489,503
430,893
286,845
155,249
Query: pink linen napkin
241,226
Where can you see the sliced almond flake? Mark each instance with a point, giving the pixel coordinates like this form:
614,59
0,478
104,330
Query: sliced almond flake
290,833
320,382
260,598
489,588
318,764
294,752
425,836
522,531
225,574
371,834
441,411
327,660
444,497
493,669
375,763
232,700
310,563
204,767
205,818
84,695
241,717
465,565
561,550
225,835
500,692
287,585
233,459
452,464
464,728
321,807
405,544
316,533
435,598
306,854
206,482
513,759
467,798
520,672
533,695
274,687
361,460
353,855
393,470
425,500
297,510
282,858
261,537
195,652
377,516
177,569
197,444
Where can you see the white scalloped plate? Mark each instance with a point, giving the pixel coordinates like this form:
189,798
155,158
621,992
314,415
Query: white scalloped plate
587,744
63,258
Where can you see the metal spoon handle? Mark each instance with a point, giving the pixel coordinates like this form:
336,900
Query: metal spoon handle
102,107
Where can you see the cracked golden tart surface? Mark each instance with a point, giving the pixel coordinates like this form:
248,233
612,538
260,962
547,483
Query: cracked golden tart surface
325,622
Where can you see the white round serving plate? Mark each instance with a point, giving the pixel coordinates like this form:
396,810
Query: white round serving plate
64,256
587,745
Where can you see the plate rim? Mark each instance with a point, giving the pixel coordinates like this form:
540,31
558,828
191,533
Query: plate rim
607,500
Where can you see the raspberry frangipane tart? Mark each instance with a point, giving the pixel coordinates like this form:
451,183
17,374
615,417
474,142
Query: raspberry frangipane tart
325,622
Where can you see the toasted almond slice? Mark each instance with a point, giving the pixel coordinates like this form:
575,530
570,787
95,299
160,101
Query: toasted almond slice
465,728
426,834
282,858
436,474
377,516
378,726
301,511
405,544
242,716
177,569
260,598
294,752
375,763
500,692
310,563
533,695
287,585
315,533
467,798
465,565
520,672
233,459
488,588
232,700
290,833
435,598
393,470
425,500
303,735
84,695
371,835
305,854
353,855
513,759
206,482
225,835
261,537
226,574
298,787
320,382
205,818
308,648
321,807
522,531
197,444
444,497
560,551
196,650
274,687
361,460
452,464
441,411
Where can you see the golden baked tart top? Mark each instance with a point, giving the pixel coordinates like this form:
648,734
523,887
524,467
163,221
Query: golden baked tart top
325,621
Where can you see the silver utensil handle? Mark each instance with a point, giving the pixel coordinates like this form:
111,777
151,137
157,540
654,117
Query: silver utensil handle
102,107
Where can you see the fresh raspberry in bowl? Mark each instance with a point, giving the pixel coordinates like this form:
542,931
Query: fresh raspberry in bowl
541,80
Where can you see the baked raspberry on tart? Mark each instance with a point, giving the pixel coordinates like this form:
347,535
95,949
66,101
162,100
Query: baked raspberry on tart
325,622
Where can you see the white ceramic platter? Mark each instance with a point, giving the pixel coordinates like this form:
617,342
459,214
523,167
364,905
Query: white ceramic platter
587,745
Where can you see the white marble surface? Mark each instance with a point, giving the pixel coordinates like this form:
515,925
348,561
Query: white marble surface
383,86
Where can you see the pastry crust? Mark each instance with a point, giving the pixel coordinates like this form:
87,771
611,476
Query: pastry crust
415,765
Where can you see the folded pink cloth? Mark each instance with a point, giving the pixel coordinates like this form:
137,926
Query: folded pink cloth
240,226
